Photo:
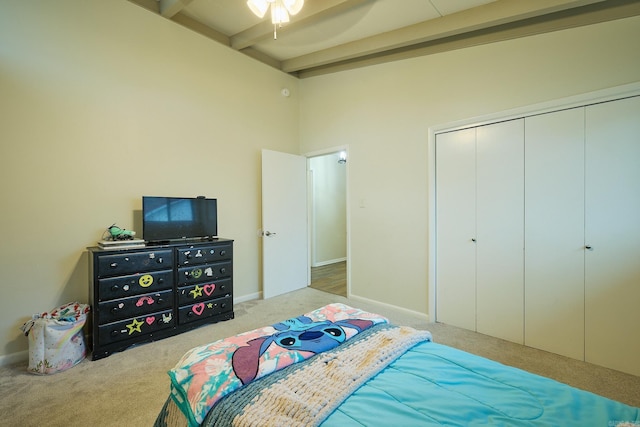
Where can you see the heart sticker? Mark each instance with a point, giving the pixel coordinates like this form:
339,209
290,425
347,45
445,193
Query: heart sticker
198,308
150,320
208,289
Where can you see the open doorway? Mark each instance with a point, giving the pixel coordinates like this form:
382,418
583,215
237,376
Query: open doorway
328,221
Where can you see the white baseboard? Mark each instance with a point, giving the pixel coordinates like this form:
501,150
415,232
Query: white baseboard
391,306
10,359
250,297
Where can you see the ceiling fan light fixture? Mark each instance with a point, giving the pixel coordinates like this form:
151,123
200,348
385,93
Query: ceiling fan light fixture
293,6
280,10
279,13
258,7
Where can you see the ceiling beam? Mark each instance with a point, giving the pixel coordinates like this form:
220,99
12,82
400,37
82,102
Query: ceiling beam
311,13
597,13
491,14
151,5
200,28
169,8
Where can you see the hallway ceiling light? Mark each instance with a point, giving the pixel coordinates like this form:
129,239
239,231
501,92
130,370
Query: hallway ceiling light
280,10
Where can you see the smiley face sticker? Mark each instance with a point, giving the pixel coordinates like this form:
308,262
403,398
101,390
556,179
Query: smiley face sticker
196,273
145,281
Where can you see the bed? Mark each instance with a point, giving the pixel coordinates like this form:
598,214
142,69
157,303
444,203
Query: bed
341,366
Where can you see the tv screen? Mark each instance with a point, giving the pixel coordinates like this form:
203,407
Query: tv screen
178,218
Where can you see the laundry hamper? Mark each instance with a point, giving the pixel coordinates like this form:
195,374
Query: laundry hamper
56,340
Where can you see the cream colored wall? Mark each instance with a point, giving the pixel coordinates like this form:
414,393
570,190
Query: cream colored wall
384,113
102,102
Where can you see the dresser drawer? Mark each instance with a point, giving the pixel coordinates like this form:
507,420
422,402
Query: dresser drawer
134,284
118,309
204,273
135,327
204,291
204,309
134,262
204,254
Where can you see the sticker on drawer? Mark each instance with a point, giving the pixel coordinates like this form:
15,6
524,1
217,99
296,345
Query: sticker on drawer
136,326
205,309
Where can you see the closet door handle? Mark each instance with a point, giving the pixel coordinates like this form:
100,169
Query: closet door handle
588,247
473,240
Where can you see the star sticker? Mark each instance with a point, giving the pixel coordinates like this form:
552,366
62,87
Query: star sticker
210,305
196,292
134,326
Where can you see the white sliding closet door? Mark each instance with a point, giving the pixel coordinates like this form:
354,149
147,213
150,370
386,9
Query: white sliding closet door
554,232
500,230
455,228
613,231
479,229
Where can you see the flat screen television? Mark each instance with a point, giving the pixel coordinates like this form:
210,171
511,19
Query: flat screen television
169,219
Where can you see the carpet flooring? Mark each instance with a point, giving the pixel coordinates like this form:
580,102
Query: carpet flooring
130,387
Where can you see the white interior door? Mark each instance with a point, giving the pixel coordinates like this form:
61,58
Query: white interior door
285,262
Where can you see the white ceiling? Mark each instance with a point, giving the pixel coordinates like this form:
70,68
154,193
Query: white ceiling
329,35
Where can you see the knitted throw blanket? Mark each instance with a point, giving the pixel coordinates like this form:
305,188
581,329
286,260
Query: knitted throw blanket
306,393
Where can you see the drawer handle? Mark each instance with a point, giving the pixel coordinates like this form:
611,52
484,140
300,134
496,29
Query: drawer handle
223,252
223,270
160,260
114,288
115,333
113,265
114,310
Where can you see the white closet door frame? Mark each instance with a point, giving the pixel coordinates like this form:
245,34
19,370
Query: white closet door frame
581,100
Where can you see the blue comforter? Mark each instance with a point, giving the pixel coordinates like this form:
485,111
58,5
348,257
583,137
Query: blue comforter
381,375
435,385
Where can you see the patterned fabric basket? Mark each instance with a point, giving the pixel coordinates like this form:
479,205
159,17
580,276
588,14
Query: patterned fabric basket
56,341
